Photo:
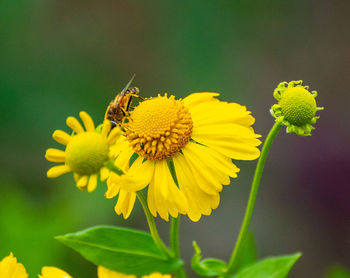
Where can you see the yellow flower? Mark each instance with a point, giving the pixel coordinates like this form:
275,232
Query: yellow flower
182,149
103,272
10,268
85,153
53,272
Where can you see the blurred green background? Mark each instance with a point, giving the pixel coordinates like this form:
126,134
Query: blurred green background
61,57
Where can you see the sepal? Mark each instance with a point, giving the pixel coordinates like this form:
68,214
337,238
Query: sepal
207,267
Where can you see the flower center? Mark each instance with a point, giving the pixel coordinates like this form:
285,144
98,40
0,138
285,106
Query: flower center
298,106
159,127
86,153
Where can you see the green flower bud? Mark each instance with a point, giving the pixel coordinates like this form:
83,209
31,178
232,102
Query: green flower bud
296,108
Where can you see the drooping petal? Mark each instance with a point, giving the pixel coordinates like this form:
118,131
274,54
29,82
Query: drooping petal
53,272
208,182
217,163
138,176
55,155
10,268
175,201
122,162
125,203
61,137
74,125
57,171
104,173
113,186
199,202
121,145
92,184
87,120
82,182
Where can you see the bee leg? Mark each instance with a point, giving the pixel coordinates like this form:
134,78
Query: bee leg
142,98
124,111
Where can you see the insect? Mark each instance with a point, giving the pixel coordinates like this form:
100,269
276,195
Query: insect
118,109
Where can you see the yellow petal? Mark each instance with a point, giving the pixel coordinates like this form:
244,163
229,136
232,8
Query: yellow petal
228,130
57,171
76,177
106,128
220,165
205,176
92,184
174,202
82,182
123,159
221,112
113,186
156,275
53,272
103,272
152,201
199,202
156,204
104,173
55,155
61,137
88,122
114,135
10,268
125,203
121,145
240,151
197,98
74,125
138,176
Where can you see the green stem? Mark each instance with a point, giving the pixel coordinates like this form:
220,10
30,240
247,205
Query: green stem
150,219
252,197
174,243
174,236
111,166
152,225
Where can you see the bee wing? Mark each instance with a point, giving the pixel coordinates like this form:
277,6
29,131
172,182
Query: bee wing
125,88
129,83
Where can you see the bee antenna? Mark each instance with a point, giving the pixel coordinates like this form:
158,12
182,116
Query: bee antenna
129,83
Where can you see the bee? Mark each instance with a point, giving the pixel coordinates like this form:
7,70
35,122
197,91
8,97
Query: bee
119,108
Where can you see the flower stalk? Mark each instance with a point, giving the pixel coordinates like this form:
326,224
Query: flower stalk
152,225
252,198
150,219
174,243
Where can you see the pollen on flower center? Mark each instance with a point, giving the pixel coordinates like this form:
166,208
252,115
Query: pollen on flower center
159,127
86,153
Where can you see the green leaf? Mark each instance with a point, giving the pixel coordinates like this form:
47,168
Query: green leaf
274,267
207,267
124,250
248,254
337,271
